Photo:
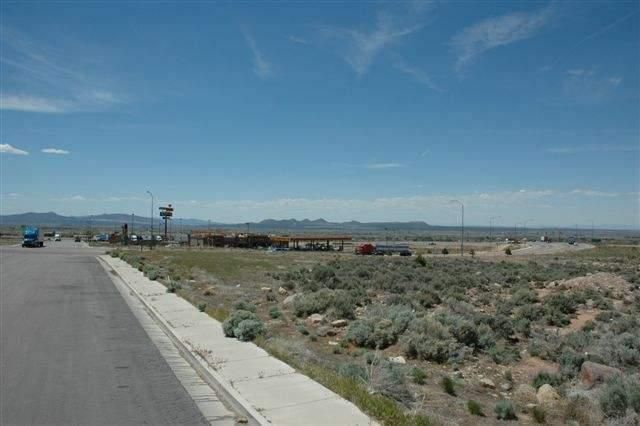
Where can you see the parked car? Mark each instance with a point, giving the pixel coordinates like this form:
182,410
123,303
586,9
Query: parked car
77,239
57,237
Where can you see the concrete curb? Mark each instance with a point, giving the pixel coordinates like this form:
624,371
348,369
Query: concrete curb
199,364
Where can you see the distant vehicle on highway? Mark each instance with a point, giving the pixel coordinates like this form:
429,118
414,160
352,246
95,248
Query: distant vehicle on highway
77,239
381,249
158,238
57,237
31,237
134,238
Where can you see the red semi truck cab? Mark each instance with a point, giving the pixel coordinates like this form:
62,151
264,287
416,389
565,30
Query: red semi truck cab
365,249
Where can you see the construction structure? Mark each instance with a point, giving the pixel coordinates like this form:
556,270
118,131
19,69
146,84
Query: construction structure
247,240
311,242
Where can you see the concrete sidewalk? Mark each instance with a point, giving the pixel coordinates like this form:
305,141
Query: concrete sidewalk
268,389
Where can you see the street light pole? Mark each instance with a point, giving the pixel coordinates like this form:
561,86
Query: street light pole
461,227
152,239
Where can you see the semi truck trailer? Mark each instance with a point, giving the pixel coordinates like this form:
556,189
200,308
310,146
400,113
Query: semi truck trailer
31,237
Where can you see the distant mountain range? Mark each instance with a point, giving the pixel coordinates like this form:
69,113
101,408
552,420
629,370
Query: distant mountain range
116,219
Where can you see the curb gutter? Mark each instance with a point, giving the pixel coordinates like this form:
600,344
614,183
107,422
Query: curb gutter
199,364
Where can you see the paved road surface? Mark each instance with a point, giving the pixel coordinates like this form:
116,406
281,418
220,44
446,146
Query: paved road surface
71,351
537,247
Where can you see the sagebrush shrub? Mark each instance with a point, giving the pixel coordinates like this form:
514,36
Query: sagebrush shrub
448,386
418,376
614,399
505,410
244,325
243,305
545,378
474,408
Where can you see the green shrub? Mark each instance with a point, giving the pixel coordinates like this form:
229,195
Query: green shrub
613,398
243,305
420,260
343,305
274,312
173,287
372,358
539,415
389,381
429,340
448,386
312,303
302,329
353,371
570,362
244,325
505,410
249,329
507,251
474,408
502,353
322,273
418,376
560,302
545,378
428,299
445,251
202,307
381,327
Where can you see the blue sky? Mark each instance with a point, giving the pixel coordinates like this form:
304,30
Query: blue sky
342,110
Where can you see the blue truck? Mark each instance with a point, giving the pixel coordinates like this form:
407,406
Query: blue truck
31,237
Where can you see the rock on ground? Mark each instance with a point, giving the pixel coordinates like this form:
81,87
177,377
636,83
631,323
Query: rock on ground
592,373
289,299
487,383
315,319
398,360
547,396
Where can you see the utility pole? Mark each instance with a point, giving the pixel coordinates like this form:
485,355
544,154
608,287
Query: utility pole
151,227
592,230
132,223
461,226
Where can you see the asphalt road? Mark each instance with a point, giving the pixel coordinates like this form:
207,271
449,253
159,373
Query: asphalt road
72,352
537,247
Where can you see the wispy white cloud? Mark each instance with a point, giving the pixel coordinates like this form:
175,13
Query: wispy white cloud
55,151
298,40
360,48
615,81
595,193
32,104
588,87
378,166
576,72
60,87
593,148
261,67
419,75
503,30
5,148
